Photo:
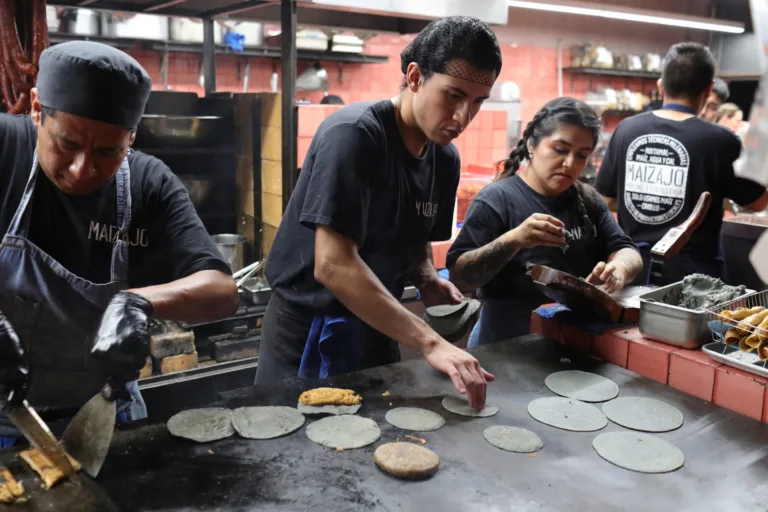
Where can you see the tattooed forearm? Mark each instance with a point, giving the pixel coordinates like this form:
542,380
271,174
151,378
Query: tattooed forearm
630,259
476,268
425,271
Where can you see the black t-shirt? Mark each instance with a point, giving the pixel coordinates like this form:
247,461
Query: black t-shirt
167,240
505,204
657,168
360,180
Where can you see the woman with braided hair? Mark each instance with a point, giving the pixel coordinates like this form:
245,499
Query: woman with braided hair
541,215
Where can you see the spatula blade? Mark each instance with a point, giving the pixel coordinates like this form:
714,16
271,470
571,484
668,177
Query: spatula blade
89,434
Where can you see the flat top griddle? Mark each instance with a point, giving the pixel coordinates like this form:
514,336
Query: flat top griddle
726,467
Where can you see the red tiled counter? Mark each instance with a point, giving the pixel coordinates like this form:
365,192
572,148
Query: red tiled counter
690,371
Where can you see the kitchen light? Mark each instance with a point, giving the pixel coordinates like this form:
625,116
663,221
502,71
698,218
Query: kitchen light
631,15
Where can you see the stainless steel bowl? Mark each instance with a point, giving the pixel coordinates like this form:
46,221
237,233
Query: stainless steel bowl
178,130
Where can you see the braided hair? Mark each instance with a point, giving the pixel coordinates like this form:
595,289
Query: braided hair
559,111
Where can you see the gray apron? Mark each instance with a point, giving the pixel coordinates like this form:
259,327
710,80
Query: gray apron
56,313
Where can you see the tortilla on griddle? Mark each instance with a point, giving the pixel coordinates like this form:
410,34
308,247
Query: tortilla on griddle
567,414
406,460
643,413
344,432
461,406
202,425
415,419
513,439
639,452
266,422
584,386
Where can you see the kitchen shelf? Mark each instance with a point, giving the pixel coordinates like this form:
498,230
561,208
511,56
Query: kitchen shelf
619,73
266,52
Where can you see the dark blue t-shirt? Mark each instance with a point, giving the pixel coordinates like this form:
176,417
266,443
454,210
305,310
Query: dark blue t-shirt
507,203
360,180
658,168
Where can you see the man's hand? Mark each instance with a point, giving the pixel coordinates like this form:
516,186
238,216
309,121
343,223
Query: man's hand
611,276
122,341
464,370
439,291
14,370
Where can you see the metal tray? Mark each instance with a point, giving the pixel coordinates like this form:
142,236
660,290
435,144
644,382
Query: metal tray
673,325
256,290
732,356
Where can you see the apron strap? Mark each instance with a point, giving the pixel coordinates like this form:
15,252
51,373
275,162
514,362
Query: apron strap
119,268
20,223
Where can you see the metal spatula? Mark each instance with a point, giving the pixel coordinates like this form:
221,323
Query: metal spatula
89,434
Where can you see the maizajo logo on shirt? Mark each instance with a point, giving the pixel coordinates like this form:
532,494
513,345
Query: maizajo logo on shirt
426,209
102,232
656,178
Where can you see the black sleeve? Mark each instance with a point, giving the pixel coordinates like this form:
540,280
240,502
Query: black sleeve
187,244
338,192
482,225
609,234
607,177
443,226
741,190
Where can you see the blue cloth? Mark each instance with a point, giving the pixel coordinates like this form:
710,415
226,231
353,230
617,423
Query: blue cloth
586,322
334,346
235,41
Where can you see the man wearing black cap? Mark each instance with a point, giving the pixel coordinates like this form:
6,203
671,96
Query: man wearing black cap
98,239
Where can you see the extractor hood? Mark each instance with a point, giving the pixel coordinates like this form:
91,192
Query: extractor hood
493,12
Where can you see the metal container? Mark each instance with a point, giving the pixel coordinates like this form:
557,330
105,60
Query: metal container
673,325
135,26
178,131
190,30
83,22
231,248
257,290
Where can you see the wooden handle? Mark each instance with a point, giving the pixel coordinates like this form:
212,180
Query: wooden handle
676,238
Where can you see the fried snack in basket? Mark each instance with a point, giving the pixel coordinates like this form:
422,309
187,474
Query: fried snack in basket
762,351
740,313
732,336
748,324
752,341
762,330
743,346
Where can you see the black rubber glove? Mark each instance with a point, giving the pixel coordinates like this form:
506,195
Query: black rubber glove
122,341
14,369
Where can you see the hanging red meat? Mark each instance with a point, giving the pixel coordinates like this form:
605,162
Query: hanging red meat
23,37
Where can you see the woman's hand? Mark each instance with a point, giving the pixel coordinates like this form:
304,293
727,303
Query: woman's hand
538,229
611,276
